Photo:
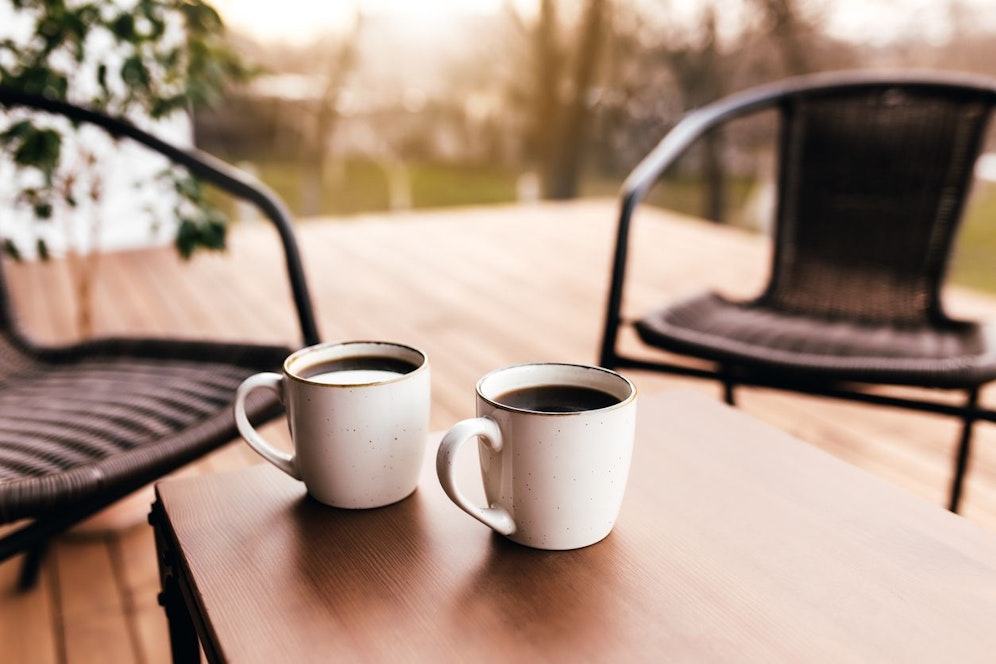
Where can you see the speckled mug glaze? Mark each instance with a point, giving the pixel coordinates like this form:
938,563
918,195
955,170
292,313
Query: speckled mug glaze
552,480
357,445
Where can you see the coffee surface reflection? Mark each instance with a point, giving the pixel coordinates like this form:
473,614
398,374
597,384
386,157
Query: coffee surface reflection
358,370
557,398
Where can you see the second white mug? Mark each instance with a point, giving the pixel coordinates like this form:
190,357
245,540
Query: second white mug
555,443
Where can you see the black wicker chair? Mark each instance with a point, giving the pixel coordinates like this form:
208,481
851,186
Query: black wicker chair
873,172
85,425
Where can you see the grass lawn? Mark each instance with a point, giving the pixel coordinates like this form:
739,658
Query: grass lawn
358,186
975,259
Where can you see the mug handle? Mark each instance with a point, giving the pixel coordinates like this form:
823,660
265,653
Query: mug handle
274,383
494,517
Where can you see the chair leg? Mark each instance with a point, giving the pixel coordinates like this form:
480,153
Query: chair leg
728,395
728,385
31,566
964,452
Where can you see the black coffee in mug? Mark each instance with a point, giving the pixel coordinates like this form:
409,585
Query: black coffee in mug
557,398
358,370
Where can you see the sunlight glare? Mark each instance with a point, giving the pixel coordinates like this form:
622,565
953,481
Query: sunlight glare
305,19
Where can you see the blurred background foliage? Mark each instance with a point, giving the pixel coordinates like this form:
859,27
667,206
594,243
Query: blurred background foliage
520,100
556,98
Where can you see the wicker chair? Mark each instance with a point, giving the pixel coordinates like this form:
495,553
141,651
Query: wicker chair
85,425
873,172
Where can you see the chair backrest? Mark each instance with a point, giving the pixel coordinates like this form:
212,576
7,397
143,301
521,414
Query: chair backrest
873,176
204,166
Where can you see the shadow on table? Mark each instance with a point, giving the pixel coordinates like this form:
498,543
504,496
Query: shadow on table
546,597
370,557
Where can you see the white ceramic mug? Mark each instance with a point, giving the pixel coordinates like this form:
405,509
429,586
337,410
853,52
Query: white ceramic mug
358,414
554,457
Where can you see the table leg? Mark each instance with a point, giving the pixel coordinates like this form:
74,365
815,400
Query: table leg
182,633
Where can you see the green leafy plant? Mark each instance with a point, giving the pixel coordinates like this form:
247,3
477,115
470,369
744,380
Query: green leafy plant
143,60
146,59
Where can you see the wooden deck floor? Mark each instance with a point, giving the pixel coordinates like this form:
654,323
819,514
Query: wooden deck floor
477,288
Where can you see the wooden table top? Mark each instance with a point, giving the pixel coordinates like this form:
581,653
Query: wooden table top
736,542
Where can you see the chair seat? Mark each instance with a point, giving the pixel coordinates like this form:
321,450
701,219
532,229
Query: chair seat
73,429
749,334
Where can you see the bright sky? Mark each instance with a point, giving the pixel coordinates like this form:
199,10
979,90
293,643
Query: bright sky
859,20
305,18
873,21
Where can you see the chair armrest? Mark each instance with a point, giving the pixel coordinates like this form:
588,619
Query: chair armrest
640,180
252,355
208,168
689,129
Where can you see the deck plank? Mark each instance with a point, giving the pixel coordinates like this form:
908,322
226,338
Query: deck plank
96,626
132,549
26,630
477,288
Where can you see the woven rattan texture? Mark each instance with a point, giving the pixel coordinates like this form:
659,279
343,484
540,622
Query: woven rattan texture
53,418
872,182
75,422
872,185
708,325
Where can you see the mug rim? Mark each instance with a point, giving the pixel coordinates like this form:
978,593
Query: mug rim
325,346
630,397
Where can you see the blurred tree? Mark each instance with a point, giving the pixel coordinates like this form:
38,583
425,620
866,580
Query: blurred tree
782,20
336,57
667,51
699,72
562,57
656,57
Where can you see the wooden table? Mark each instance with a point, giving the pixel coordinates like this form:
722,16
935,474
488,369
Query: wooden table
736,542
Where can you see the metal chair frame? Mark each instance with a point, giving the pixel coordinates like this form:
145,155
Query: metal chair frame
676,143
31,538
